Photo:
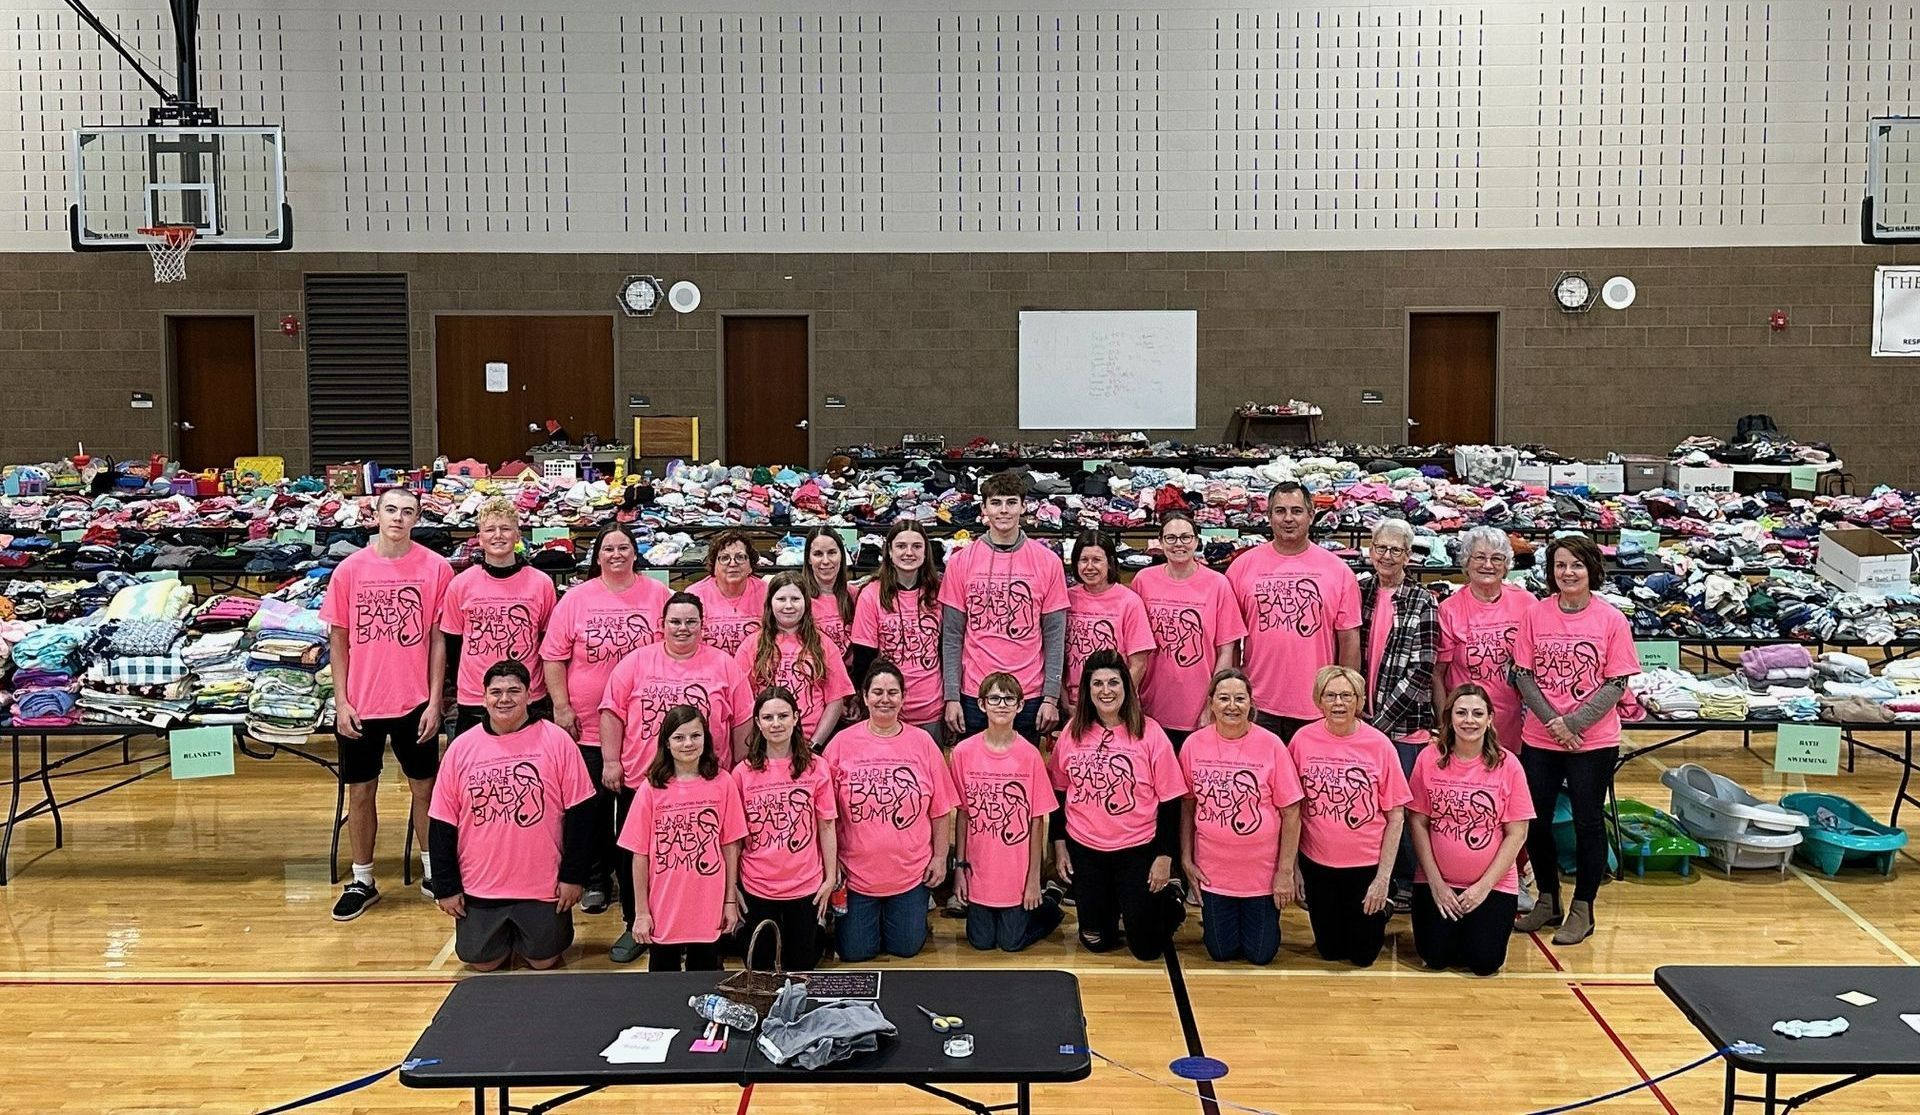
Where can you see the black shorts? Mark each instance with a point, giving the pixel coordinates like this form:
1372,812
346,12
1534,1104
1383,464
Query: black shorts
472,716
495,927
361,759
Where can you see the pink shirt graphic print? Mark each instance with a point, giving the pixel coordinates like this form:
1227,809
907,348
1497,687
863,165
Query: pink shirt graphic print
497,618
908,635
1476,645
508,796
1190,620
388,609
728,621
781,858
1003,596
1571,656
1293,606
1467,808
592,630
676,833
1351,782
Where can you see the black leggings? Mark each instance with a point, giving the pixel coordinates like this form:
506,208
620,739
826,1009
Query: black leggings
1342,930
799,932
1477,942
1110,889
604,832
684,958
623,860
1586,774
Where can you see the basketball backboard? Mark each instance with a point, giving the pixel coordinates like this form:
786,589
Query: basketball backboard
227,181
1891,212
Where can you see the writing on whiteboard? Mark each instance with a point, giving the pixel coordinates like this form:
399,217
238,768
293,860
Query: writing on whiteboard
1108,368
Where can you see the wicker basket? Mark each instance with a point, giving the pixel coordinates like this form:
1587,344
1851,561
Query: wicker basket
757,989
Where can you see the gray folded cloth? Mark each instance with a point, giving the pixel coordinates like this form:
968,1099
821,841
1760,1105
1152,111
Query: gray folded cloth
830,1032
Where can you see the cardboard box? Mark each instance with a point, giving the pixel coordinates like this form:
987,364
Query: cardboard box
1642,474
1863,560
1532,474
1567,476
1607,479
1692,478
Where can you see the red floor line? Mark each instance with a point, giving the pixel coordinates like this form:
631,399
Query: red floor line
1622,1047
1546,952
137,982
1615,983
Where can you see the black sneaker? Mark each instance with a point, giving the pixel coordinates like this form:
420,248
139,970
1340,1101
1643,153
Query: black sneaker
354,900
1402,901
1052,890
595,899
426,887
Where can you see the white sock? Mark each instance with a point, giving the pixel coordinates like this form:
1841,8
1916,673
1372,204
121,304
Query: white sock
426,865
363,873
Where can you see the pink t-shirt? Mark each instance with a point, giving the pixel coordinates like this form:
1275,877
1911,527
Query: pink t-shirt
781,858
834,631
591,630
1377,634
1000,796
1292,606
1239,788
649,682
812,690
1466,806
1476,645
891,792
1112,620
1351,782
676,835
1571,656
1113,784
508,796
496,618
1191,620
388,610
909,637
728,621
1003,596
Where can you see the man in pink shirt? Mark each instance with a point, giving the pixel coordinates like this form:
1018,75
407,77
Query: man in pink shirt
388,671
1003,608
1301,605
512,827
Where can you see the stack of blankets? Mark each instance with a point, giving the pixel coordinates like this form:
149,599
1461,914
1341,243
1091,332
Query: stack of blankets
46,670
292,684
138,675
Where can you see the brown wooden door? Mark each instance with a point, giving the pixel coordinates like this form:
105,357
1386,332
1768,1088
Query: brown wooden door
215,412
1450,369
767,391
558,367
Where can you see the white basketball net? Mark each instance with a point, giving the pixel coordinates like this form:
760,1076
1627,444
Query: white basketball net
169,245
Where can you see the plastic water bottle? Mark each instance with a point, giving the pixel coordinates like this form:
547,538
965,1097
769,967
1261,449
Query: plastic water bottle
719,1008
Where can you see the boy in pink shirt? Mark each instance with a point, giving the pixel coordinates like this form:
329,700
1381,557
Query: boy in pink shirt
1470,806
895,801
1006,799
1301,607
1240,829
1102,614
1003,607
685,825
497,609
388,670
511,827
1196,628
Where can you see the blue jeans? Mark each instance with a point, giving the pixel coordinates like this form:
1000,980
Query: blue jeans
1023,723
897,924
1405,861
1012,928
1237,928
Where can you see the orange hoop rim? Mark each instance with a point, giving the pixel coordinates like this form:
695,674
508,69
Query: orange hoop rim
175,236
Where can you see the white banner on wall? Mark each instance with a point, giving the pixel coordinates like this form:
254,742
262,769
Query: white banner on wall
1896,311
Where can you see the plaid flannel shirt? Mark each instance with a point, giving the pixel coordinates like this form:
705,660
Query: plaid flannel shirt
1404,701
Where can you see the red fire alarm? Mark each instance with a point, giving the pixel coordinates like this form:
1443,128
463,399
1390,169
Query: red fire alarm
1777,321
289,325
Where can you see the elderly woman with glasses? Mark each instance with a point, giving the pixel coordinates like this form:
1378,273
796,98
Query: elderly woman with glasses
1477,628
1399,641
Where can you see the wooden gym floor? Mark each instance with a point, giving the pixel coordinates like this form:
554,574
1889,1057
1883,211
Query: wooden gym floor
177,956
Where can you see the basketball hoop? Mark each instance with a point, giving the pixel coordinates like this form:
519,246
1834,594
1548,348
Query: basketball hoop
169,245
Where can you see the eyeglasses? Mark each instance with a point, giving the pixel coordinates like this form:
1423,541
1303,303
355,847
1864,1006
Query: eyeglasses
1390,551
1000,700
731,559
1331,696
1482,557
1178,539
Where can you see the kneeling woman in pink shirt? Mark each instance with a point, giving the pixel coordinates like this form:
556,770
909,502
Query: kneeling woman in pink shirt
1470,812
685,830
1356,801
895,800
1121,829
1005,800
788,865
1240,834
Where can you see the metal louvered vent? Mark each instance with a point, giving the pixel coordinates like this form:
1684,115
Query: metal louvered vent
359,383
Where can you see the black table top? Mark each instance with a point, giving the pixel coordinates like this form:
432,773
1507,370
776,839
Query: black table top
1737,1003
547,1030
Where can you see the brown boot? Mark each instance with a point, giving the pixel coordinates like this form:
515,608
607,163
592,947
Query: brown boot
1578,926
1545,912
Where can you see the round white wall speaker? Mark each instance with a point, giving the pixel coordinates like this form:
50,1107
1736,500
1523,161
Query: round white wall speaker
1618,292
684,297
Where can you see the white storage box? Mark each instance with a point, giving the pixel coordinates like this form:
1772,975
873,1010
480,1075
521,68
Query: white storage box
1694,478
1608,479
1533,474
1859,559
1567,476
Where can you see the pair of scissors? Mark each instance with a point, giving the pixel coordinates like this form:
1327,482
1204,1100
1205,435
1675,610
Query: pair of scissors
942,1023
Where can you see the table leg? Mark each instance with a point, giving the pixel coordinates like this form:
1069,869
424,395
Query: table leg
53,803
1732,1087
1024,1098
13,812
1772,1099
1906,777
339,819
504,1107
479,1101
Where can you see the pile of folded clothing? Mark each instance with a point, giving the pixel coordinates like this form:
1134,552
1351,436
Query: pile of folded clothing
1722,700
223,612
46,669
287,635
286,705
221,680
1781,664
137,675
1666,693
1838,665
1800,705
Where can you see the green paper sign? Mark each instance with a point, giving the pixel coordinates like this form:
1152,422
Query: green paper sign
664,576
1807,749
1658,653
1227,533
543,535
849,539
1805,478
1648,540
1092,466
289,535
73,535
201,752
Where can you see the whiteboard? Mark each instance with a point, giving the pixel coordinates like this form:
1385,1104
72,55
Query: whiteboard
1107,369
